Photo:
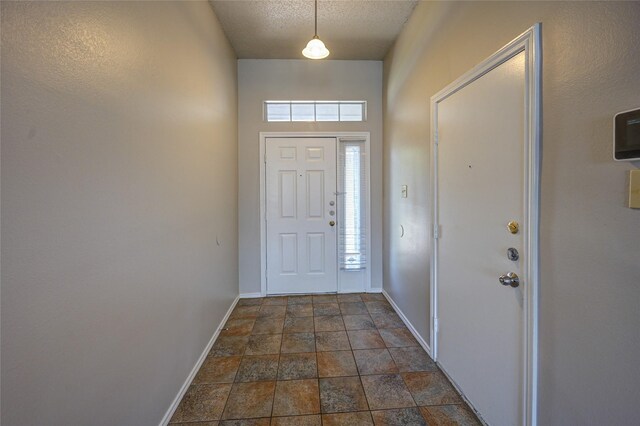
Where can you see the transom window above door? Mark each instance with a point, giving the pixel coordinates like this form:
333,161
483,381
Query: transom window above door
315,111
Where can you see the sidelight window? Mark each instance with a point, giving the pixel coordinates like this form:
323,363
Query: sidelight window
353,199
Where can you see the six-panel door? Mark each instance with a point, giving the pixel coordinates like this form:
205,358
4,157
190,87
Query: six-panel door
301,215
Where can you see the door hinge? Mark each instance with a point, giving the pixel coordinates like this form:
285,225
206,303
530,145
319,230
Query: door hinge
265,158
435,137
436,232
435,324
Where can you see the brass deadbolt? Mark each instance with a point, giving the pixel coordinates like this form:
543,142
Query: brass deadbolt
513,227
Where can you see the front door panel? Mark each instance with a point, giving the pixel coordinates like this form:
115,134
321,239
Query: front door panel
301,241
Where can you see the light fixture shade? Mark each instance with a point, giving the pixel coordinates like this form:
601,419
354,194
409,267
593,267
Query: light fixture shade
315,49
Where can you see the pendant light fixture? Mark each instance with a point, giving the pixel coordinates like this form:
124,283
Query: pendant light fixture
315,48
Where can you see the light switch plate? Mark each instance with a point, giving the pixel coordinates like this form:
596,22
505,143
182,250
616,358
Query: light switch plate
634,189
404,192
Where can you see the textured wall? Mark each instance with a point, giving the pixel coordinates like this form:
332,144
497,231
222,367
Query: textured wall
119,167
590,273
261,80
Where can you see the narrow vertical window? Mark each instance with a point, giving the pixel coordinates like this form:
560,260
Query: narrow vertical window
352,240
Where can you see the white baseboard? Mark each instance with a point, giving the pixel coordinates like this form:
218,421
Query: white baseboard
410,326
194,370
250,295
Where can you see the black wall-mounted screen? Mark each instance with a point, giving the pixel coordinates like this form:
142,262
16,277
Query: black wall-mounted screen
627,135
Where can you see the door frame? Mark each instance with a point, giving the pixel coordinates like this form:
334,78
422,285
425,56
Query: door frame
366,136
528,42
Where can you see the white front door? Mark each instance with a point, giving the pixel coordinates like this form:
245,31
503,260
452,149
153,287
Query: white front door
480,185
301,231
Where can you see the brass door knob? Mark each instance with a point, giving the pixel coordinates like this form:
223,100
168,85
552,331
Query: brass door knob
332,223
513,227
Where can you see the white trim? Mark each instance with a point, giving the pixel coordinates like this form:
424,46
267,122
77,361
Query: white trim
250,295
185,386
366,136
406,321
528,42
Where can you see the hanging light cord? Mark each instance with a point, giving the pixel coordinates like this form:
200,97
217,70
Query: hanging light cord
316,19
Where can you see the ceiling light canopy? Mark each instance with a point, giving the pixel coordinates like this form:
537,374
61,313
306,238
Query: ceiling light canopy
315,48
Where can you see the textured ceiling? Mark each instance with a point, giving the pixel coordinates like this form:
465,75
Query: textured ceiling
351,29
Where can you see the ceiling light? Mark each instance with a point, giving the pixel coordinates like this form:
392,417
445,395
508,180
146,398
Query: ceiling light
315,48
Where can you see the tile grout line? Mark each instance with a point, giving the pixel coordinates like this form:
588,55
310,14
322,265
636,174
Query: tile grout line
244,355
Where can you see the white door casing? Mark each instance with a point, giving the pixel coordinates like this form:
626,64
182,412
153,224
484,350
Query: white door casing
301,242
485,160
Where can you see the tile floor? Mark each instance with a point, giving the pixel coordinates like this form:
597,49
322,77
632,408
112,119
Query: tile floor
327,360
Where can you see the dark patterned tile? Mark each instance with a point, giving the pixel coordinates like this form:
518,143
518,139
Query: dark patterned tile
298,325
358,322
217,370
258,368
272,311
379,307
342,394
387,320
245,312
238,327
263,344
360,418
229,346
298,342
398,337
202,403
431,388
326,309
329,323
275,300
336,364
257,301
365,339
313,420
412,359
243,422
371,297
325,298
374,361
196,424
300,310
386,391
268,326
349,298
250,400
353,308
399,417
332,341
300,300
296,397
449,415
297,366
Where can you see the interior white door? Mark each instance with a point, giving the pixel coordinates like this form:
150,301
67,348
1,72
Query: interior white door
301,229
480,164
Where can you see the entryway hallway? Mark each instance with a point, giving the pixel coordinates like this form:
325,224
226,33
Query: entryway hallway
344,359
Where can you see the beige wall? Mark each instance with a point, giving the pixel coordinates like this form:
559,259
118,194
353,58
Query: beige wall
590,250
119,168
261,80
